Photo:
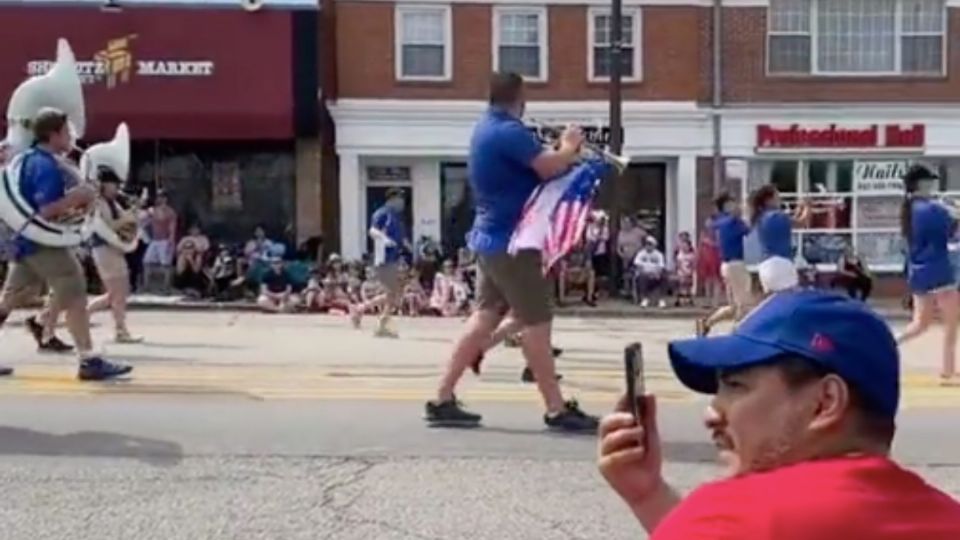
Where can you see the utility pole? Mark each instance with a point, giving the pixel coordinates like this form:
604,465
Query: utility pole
616,137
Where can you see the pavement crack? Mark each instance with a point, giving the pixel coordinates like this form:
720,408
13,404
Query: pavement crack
552,525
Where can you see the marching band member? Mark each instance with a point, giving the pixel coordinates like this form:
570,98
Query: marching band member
775,230
507,163
390,237
927,225
110,261
730,230
42,184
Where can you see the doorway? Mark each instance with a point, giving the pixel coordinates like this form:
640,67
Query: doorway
642,194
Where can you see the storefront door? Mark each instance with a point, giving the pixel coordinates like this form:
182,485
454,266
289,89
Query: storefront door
456,212
377,196
641,194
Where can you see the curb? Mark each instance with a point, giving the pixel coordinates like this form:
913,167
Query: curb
574,312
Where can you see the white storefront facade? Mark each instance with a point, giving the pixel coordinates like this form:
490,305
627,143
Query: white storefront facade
846,159
422,145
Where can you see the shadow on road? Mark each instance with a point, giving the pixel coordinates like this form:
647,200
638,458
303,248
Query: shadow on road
19,441
201,346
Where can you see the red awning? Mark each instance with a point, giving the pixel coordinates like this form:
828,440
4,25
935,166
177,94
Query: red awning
168,73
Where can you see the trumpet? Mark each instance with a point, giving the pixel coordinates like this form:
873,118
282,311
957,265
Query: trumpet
552,134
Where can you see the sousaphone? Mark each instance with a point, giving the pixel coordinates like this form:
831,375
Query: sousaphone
59,88
114,155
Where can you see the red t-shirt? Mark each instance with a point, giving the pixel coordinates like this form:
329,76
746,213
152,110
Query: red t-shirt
856,498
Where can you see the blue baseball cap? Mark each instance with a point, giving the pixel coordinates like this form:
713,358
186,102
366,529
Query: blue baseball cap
842,335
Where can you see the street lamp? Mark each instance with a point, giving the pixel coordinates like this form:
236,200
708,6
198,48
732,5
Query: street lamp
616,137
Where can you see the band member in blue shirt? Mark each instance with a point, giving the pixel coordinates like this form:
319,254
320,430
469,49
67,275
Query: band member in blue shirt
43,185
927,225
506,164
775,232
730,230
390,237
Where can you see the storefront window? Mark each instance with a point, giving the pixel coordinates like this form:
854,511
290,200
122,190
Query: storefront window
227,188
854,202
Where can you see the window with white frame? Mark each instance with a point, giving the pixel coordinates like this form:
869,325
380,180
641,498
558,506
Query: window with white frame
423,42
600,45
856,37
520,41
855,202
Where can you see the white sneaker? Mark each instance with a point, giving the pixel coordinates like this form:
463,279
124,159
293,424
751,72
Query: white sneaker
645,303
662,304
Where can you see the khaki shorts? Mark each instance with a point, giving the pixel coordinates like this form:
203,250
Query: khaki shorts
58,268
389,277
111,263
737,279
516,283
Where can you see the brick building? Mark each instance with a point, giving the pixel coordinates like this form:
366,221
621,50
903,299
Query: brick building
826,98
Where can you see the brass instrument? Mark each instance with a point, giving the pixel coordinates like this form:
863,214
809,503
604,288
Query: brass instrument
619,162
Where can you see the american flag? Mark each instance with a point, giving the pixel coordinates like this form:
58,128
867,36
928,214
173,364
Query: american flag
554,218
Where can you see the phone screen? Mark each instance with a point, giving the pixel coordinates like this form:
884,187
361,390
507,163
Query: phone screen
633,371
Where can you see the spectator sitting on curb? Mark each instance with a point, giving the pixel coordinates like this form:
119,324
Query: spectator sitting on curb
806,394
276,290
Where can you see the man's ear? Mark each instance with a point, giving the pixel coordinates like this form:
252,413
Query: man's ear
832,397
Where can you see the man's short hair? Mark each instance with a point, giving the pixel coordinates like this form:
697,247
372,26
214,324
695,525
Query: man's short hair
721,200
48,122
871,423
394,192
505,88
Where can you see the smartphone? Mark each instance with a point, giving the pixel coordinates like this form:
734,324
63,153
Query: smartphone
636,386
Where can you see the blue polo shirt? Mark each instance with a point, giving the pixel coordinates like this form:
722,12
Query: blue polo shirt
929,261
390,222
501,176
41,183
775,230
730,231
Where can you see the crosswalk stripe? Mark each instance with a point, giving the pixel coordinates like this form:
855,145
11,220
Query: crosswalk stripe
407,383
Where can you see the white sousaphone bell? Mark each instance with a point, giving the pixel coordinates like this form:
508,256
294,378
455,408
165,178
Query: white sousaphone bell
114,155
59,88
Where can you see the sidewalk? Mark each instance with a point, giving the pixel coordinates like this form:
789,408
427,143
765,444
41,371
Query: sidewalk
613,309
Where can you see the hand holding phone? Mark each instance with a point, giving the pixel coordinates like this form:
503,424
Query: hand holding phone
636,385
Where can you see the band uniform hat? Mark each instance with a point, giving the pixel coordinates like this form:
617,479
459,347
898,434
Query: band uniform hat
842,335
105,175
919,172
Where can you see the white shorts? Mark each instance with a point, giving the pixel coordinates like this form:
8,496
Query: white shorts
778,274
159,252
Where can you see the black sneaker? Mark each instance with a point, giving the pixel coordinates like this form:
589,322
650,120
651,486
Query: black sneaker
36,330
55,345
528,377
450,414
98,369
557,352
571,418
52,345
475,365
6,371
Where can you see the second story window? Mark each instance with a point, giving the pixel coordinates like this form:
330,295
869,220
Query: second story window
599,32
520,41
856,37
423,43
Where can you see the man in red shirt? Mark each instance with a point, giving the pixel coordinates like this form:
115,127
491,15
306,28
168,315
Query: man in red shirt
807,390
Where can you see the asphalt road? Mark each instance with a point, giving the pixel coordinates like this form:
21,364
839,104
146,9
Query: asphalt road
255,427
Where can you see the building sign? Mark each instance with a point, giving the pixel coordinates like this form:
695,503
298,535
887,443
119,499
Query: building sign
378,173
170,73
116,62
594,134
879,176
875,137
879,212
